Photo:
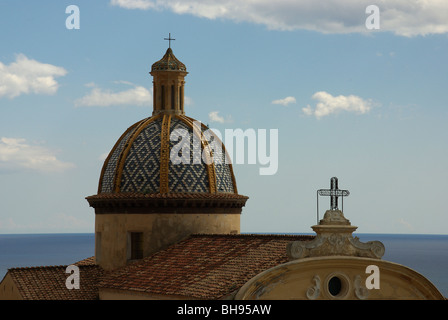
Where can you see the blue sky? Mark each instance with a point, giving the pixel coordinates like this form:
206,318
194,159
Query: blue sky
367,106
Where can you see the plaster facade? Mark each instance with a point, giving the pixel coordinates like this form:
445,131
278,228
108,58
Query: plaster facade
8,289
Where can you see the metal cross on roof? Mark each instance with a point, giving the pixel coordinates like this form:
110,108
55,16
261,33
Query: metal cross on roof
334,193
169,40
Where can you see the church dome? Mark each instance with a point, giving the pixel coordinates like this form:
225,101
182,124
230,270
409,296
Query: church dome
140,160
168,154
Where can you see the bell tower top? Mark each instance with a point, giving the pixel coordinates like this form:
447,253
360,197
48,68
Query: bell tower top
168,83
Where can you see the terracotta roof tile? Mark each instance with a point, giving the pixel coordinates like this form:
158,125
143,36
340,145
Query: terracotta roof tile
48,282
203,266
86,262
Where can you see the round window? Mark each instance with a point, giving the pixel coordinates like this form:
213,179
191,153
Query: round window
337,285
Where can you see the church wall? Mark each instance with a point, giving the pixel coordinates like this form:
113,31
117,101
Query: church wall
8,289
159,231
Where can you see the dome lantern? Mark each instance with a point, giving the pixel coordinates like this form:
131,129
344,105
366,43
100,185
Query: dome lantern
168,84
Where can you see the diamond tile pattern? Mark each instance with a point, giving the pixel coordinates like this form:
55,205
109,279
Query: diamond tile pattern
141,171
111,167
224,182
187,177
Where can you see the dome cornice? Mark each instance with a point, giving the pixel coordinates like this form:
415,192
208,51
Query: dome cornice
176,203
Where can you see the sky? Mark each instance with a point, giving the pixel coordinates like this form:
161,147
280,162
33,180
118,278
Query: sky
352,91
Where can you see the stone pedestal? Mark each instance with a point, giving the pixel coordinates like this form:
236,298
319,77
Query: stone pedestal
334,237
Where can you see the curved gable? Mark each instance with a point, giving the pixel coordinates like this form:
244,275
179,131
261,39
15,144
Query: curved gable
338,277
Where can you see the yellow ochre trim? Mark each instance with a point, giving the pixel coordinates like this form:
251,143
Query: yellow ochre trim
165,153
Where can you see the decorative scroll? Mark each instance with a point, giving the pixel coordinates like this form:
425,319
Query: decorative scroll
361,292
375,247
313,292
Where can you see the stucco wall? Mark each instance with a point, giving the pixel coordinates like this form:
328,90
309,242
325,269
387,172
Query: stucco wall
8,289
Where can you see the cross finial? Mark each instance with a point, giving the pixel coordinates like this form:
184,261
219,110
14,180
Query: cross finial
334,193
169,40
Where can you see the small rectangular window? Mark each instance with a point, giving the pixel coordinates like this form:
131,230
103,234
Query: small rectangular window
136,239
172,97
181,98
163,97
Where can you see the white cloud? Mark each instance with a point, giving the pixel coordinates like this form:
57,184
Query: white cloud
26,76
137,95
328,104
134,4
18,154
403,17
285,101
215,117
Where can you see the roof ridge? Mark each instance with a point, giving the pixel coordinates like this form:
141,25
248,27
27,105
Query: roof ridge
38,267
52,266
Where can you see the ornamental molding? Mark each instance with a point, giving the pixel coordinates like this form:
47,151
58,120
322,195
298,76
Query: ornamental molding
334,237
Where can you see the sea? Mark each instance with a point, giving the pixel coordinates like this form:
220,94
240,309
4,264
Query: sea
426,254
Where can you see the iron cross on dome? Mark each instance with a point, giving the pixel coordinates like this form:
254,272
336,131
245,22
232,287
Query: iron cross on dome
334,193
169,39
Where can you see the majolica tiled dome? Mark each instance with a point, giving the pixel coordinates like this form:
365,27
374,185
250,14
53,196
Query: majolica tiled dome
140,161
